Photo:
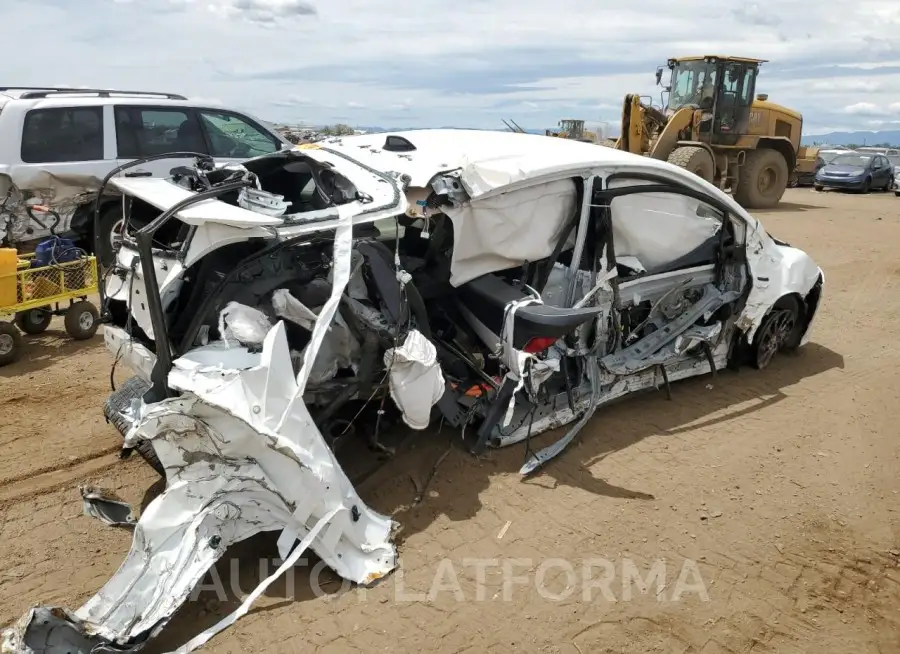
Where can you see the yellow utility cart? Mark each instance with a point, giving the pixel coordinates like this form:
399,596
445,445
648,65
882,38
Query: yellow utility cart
31,295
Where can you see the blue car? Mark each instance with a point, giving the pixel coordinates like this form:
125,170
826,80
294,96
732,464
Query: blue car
860,171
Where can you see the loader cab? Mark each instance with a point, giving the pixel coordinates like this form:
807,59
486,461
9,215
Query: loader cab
722,87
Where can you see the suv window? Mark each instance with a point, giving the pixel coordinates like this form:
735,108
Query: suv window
63,134
150,131
233,136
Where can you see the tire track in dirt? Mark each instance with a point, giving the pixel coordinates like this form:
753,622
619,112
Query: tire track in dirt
52,478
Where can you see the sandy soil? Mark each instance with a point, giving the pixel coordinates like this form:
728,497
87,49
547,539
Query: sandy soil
779,486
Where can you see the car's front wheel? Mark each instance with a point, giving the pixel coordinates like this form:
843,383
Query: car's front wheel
819,187
781,329
867,185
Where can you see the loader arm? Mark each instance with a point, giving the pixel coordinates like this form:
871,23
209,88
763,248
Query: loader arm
632,134
668,137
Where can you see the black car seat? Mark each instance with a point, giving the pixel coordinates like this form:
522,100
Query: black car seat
190,138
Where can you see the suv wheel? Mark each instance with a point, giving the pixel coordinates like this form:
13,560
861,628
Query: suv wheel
111,225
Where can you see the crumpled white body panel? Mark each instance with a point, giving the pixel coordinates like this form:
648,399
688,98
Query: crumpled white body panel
233,471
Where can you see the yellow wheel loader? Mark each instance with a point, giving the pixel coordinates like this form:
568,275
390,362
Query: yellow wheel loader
716,127
571,128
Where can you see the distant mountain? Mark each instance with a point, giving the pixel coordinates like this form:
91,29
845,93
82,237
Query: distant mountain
887,137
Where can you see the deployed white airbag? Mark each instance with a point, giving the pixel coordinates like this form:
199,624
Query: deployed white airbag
504,231
416,380
657,228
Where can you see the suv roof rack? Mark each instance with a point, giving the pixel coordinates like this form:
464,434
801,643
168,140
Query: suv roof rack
32,92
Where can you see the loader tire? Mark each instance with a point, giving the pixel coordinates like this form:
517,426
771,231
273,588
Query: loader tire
762,180
694,160
118,401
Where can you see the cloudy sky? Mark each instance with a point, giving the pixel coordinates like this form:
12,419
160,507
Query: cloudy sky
399,63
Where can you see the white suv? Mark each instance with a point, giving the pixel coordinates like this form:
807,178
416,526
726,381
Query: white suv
57,145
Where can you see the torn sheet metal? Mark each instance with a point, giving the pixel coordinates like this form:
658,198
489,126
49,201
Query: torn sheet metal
416,382
539,458
106,507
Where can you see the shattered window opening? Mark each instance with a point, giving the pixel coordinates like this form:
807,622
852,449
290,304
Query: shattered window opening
232,136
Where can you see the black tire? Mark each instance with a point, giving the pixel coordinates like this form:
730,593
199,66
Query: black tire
110,221
34,321
781,329
116,403
762,180
889,185
867,185
694,160
82,320
819,188
10,343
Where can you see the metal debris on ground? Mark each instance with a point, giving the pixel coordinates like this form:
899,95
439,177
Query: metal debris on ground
107,507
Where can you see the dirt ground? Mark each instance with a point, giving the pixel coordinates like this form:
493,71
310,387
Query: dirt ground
774,493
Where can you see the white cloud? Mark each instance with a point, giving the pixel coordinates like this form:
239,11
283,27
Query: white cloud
416,62
863,109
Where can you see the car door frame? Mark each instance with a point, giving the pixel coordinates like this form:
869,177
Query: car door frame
887,168
874,170
646,182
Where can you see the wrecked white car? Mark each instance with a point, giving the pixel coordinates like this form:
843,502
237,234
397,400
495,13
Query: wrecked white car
503,283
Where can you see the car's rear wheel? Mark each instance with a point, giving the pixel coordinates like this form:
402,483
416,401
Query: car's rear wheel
781,329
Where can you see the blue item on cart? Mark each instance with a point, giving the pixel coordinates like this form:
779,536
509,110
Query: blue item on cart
55,250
